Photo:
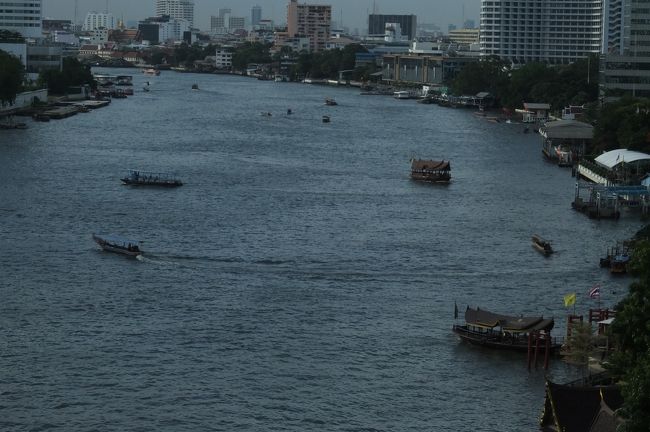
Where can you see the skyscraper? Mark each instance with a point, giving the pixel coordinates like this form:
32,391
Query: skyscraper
22,16
178,9
256,15
625,61
549,31
312,21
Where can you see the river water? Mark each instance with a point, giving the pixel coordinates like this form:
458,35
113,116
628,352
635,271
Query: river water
297,281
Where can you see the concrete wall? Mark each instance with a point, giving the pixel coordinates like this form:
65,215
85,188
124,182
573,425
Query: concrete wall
25,99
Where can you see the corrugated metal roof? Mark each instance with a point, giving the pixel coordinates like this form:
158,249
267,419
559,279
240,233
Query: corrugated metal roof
538,106
612,158
568,129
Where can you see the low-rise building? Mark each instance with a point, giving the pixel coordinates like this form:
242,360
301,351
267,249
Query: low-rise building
223,58
422,69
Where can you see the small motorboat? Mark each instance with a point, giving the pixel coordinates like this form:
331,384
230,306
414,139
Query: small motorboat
195,86
330,102
543,246
112,243
326,119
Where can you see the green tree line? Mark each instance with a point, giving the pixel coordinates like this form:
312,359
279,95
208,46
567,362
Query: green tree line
559,86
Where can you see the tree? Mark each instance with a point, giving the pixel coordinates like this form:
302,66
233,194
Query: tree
73,73
490,74
630,364
11,78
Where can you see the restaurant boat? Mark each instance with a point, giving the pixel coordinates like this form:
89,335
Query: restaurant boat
543,246
505,332
112,243
431,170
146,178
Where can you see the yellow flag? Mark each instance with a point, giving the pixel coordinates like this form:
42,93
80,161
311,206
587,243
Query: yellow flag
569,299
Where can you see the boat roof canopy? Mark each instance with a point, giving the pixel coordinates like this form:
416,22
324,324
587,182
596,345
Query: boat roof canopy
521,324
433,165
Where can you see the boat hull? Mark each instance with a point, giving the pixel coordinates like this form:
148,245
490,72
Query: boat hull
498,341
130,182
432,178
108,247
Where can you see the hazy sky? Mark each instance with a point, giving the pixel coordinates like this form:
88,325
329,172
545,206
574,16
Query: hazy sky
354,12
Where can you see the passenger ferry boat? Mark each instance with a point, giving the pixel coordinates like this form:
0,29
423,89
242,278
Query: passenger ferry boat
431,170
498,331
146,178
112,243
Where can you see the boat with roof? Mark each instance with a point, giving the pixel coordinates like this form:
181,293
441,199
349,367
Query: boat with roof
432,171
505,332
117,244
147,178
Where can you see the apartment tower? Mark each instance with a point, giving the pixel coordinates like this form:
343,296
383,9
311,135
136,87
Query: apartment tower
312,21
625,59
23,17
177,9
548,31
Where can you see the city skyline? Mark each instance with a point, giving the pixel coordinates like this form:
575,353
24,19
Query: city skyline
354,16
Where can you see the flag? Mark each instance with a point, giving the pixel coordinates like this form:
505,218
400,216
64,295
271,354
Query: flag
455,311
569,299
594,292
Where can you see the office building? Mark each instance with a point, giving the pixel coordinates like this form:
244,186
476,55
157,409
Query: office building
625,59
236,23
548,31
256,15
311,21
377,24
176,9
96,21
23,17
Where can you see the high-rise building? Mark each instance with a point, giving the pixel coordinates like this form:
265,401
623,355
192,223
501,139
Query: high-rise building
236,23
625,60
549,31
178,9
256,15
377,24
312,21
96,20
22,16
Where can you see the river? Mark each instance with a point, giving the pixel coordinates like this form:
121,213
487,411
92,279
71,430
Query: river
298,280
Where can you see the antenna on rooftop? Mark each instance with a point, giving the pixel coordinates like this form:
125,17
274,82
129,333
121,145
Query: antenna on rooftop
107,6
76,13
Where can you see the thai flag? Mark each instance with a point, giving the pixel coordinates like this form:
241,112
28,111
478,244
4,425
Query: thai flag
594,293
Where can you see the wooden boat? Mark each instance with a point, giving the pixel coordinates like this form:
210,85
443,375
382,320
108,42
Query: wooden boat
326,119
146,178
330,102
543,246
117,244
195,86
618,263
431,170
498,331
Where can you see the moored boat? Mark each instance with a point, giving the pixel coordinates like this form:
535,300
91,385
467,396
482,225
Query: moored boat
505,332
543,246
112,243
431,170
146,178
618,263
